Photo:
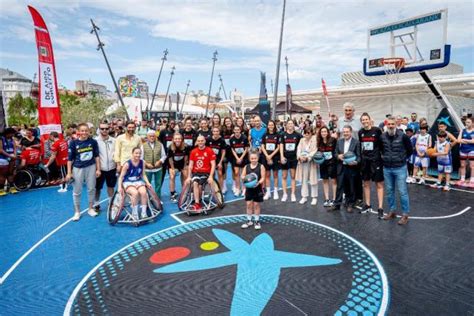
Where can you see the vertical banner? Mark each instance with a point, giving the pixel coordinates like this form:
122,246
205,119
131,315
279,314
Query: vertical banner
289,99
325,92
263,103
49,114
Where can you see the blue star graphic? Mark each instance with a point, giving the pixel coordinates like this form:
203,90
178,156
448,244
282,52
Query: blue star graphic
444,120
258,268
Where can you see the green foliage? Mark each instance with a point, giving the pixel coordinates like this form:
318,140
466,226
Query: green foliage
78,110
22,111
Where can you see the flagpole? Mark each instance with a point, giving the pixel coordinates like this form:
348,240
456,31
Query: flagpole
277,76
214,59
163,59
184,98
288,88
222,85
168,89
100,47
325,92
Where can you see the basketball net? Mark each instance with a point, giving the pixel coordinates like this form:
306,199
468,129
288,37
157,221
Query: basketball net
392,67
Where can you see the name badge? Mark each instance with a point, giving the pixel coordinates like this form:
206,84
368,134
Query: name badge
290,147
367,146
239,150
270,147
327,155
188,142
215,150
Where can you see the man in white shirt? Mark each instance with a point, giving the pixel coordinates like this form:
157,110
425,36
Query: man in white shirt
108,166
350,119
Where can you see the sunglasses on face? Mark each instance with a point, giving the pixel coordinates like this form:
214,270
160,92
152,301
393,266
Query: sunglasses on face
104,128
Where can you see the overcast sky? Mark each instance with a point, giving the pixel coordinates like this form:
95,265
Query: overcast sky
321,39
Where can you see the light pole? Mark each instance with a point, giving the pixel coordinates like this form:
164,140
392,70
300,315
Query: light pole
214,59
222,85
277,76
184,98
168,89
163,59
100,47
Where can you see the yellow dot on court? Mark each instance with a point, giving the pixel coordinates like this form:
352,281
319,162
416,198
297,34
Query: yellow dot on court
209,245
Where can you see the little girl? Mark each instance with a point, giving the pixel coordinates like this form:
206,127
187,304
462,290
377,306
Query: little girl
133,181
254,196
307,171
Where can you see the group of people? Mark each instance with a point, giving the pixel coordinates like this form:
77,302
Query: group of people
347,153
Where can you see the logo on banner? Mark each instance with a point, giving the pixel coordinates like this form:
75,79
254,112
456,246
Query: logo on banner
43,51
48,86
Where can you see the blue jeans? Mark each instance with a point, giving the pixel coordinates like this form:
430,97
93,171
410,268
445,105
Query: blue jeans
396,177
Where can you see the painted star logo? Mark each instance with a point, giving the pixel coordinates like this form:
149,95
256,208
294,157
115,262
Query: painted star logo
251,295
444,120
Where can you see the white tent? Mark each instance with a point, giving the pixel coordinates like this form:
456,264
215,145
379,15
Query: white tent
136,105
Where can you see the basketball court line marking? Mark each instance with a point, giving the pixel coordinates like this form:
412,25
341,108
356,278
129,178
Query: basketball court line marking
385,297
434,217
27,253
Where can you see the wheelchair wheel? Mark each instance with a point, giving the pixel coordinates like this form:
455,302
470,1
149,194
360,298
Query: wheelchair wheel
23,180
40,177
185,198
217,194
115,208
154,201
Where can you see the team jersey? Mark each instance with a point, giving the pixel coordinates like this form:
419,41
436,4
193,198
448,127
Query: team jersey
441,148
8,146
239,144
32,156
271,142
290,143
469,135
257,170
60,148
189,137
202,159
370,144
166,138
134,173
207,134
217,145
178,156
328,150
83,152
422,142
227,134
256,136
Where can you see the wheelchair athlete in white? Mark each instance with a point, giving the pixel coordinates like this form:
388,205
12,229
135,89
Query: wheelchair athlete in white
134,182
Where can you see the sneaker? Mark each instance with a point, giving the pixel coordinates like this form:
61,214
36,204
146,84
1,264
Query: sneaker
76,216
197,207
365,209
331,202
97,208
447,187
380,213
13,190
314,201
143,214
389,216
421,181
284,198
436,185
237,192
275,195
470,184
247,225
293,198
243,192
302,201
409,180
224,189
173,199
92,212
267,195
460,183
2,193
403,220
257,225
327,203
62,190
135,215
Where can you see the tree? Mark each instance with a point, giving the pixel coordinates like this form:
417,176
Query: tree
78,110
22,111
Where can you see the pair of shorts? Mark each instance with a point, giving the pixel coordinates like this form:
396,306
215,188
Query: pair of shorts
445,168
254,194
200,178
135,184
328,170
274,166
422,162
239,165
372,171
466,155
109,177
290,164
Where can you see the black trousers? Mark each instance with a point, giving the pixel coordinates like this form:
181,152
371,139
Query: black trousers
346,183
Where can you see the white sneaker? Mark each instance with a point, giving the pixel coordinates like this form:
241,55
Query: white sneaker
257,225
76,216
422,181
135,215
247,225
237,192
314,201
224,189
409,180
92,212
284,197
275,194
267,195
144,214
293,198
302,201
243,192
62,190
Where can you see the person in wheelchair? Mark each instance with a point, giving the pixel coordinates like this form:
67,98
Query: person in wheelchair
30,158
202,163
134,182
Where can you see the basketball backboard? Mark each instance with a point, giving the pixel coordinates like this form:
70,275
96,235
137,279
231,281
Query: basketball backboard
420,40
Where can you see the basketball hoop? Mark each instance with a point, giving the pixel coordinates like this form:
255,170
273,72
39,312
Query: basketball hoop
392,67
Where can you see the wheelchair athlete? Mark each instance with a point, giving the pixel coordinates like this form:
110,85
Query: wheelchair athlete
202,163
134,182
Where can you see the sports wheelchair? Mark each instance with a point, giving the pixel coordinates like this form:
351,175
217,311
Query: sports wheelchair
211,198
30,177
120,209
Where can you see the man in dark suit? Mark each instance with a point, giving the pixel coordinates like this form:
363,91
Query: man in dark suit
346,172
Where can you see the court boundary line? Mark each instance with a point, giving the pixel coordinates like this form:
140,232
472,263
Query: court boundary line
433,217
37,244
385,285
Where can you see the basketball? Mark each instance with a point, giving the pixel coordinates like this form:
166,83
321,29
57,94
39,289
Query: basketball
431,151
349,157
318,157
250,180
